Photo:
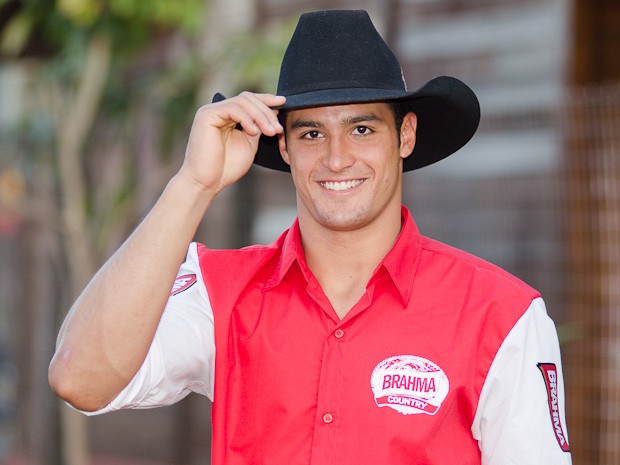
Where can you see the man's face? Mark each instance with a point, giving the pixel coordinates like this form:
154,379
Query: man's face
346,163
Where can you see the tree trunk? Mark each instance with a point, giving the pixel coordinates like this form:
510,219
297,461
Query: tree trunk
72,130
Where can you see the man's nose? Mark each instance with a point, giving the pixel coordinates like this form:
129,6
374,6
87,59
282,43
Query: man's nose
339,155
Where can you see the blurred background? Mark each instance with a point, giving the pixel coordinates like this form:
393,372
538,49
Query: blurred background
96,101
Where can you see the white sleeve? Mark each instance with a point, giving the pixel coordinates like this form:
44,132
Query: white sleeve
182,356
520,416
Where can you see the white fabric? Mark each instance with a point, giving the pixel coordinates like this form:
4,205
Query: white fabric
182,357
512,422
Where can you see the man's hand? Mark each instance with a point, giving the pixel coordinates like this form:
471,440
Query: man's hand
224,139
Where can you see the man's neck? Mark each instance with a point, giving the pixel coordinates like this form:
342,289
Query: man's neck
343,261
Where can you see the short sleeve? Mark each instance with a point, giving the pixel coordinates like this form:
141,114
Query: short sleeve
520,416
181,358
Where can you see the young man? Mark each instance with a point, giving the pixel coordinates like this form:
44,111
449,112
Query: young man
350,340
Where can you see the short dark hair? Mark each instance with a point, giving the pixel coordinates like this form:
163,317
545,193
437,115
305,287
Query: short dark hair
399,110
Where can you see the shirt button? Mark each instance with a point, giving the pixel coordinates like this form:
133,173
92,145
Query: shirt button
327,418
338,333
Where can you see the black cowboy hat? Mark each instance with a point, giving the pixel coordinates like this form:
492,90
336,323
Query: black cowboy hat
337,57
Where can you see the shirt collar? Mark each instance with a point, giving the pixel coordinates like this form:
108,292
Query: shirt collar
291,251
400,262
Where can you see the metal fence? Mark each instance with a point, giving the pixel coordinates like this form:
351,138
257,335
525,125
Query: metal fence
592,358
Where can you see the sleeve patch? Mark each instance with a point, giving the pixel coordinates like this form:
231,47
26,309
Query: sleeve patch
182,283
550,375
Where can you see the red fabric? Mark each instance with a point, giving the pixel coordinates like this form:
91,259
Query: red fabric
293,382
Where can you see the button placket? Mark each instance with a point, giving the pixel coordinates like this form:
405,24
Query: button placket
329,398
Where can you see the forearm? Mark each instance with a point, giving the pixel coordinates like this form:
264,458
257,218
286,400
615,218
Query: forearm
109,329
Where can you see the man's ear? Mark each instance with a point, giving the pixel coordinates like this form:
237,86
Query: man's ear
283,150
408,134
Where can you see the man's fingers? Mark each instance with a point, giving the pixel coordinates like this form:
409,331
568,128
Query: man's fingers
266,117
252,112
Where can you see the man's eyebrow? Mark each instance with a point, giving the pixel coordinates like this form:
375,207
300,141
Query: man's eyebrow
364,118
305,123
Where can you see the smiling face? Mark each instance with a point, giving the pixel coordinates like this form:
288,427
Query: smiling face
346,162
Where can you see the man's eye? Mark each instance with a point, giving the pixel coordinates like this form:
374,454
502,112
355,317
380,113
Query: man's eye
362,130
312,135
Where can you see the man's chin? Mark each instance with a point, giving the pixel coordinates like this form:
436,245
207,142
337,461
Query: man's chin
343,220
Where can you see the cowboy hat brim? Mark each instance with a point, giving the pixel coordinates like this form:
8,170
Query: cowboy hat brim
448,114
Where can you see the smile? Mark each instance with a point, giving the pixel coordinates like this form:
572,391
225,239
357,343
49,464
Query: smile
342,185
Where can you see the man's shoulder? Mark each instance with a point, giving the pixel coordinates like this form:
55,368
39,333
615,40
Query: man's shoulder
473,267
226,273
234,260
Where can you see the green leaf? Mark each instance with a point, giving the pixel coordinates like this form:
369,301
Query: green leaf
16,33
83,12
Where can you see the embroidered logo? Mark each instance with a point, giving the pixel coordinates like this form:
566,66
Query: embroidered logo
182,283
550,375
409,384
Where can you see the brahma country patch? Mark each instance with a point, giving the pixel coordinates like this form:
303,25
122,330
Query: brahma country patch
550,375
182,283
409,384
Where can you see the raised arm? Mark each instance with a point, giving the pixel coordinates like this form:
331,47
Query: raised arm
108,331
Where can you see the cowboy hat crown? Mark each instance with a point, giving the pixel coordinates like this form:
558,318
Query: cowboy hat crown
337,57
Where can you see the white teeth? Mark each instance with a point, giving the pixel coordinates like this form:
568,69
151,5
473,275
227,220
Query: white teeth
341,186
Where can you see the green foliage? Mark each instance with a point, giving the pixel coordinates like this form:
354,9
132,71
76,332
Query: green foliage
83,13
185,14
131,23
155,69
16,33
254,57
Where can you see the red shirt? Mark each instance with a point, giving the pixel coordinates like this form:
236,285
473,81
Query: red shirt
445,360
396,381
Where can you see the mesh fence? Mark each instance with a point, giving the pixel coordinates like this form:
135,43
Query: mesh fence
592,358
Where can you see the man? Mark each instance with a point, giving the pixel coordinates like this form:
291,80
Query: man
350,340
